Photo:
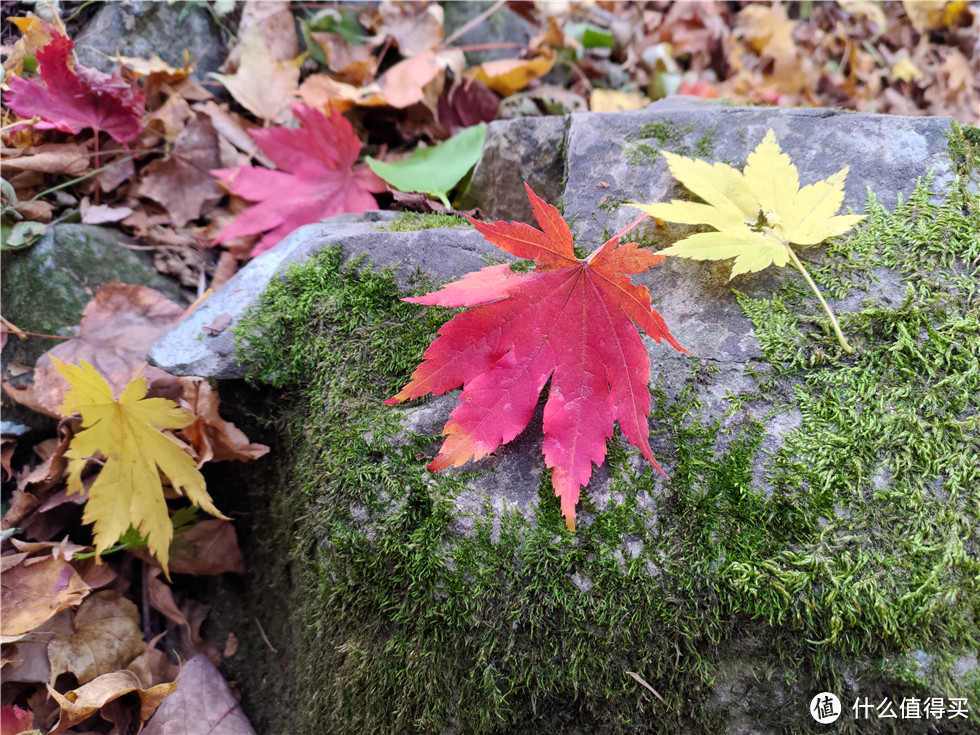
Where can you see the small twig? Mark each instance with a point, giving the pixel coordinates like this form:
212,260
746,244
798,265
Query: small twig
13,328
826,308
77,179
33,120
475,21
145,594
655,692
488,46
264,637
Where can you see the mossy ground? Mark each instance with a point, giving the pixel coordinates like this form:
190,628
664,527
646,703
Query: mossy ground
863,548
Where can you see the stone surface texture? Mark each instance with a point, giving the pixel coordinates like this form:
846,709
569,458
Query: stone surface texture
141,28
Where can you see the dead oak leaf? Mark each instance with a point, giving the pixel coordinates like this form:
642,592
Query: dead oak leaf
79,704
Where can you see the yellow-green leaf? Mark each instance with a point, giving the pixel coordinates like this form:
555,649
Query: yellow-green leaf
126,434
756,213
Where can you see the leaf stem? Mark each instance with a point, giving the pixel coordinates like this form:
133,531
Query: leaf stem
826,308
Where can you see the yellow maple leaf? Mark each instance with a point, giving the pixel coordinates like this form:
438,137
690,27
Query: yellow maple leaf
757,213
126,433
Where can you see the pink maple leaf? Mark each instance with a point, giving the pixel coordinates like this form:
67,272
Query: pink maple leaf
318,179
74,97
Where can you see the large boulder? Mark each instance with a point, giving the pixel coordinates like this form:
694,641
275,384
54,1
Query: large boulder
816,529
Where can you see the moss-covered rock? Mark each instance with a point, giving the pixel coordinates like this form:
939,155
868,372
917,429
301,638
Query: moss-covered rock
817,529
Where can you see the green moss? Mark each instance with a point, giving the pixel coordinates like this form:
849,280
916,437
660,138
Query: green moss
420,221
860,546
667,135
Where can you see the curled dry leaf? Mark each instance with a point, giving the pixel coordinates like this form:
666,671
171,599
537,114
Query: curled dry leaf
106,636
153,666
81,703
414,27
213,438
118,328
274,22
202,703
33,593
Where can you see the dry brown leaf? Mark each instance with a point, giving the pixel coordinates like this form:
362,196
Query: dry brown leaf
207,547
231,646
99,214
36,211
33,594
105,637
202,703
25,395
28,655
170,118
232,127
63,549
355,65
182,182
81,703
162,595
274,22
213,438
118,328
7,448
153,667
264,87
414,27
322,90
69,159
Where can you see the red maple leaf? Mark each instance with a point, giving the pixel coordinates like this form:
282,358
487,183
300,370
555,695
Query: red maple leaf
318,180
76,96
570,320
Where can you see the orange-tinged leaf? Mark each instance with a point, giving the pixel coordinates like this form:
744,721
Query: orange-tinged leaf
507,76
126,432
570,321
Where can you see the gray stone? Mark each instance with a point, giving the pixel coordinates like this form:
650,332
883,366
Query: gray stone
612,159
139,28
529,149
188,350
503,25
